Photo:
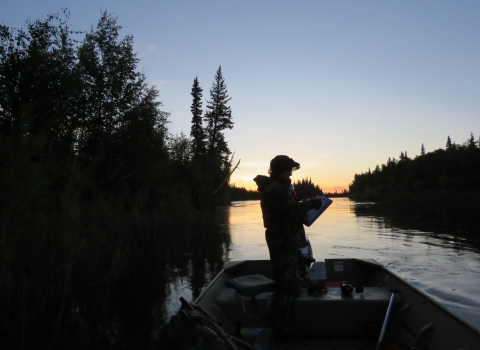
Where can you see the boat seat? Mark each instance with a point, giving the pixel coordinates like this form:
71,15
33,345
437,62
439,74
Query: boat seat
251,285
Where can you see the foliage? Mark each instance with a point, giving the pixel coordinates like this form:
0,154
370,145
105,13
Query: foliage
242,194
449,143
342,193
451,171
40,85
210,164
197,132
218,117
91,181
305,188
122,127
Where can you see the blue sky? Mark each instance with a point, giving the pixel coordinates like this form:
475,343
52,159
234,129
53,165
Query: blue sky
340,86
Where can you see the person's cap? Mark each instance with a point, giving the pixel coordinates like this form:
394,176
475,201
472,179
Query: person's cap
279,164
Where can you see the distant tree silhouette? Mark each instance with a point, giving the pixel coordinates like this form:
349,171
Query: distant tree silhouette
456,169
422,150
449,143
218,117
305,188
197,131
471,141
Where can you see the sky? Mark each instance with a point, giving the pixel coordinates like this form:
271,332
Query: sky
339,86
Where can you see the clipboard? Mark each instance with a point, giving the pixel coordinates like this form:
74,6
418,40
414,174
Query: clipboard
313,214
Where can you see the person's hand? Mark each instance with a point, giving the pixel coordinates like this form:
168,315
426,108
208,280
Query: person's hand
316,203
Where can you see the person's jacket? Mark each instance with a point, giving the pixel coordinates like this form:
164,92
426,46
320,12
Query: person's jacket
283,214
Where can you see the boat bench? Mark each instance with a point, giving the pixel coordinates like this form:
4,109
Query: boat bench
324,314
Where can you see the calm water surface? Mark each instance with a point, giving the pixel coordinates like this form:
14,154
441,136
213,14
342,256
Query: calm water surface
442,265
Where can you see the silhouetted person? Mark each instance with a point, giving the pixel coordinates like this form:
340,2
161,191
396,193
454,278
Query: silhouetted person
283,216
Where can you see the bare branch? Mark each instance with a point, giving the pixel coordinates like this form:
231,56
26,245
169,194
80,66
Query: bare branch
227,178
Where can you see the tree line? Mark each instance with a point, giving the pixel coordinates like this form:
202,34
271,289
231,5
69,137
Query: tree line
438,177
90,176
304,188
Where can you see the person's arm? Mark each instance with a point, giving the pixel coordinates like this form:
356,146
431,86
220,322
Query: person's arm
283,206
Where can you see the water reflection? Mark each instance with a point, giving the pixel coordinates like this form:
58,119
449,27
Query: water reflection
461,230
198,258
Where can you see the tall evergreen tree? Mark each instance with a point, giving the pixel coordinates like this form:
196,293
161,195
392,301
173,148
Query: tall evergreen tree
218,117
422,150
197,132
471,141
449,143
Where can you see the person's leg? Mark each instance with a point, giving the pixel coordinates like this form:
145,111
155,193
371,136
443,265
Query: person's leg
288,264
284,259
274,243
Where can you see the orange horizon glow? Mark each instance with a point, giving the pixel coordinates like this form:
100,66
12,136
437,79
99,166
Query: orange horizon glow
251,186
327,172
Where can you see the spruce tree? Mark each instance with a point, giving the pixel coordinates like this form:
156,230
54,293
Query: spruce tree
471,141
197,132
218,117
449,143
422,150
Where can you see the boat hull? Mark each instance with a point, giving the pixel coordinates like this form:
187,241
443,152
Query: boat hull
332,319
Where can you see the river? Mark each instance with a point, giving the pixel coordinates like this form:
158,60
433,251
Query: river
445,265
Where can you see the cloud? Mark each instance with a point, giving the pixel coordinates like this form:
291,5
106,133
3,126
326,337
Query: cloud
160,83
151,47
